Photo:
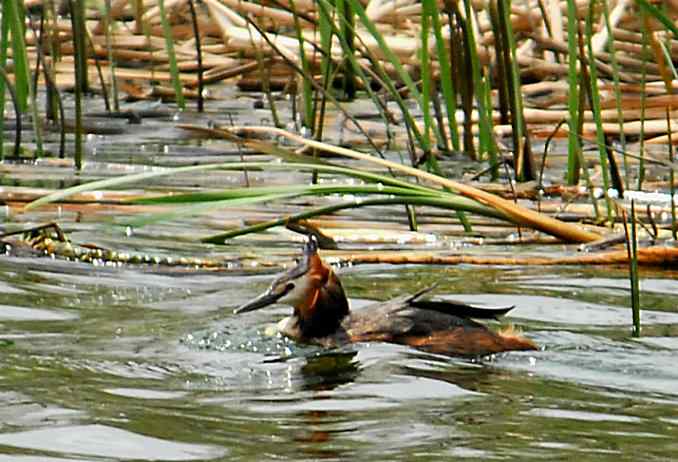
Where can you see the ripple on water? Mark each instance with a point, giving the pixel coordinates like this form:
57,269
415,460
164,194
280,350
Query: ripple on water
612,285
582,415
566,311
105,441
20,313
7,289
6,458
604,362
362,396
141,393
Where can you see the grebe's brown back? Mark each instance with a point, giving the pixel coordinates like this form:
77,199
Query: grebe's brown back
321,315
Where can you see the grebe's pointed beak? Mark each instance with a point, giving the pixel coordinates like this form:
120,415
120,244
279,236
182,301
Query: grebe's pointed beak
267,298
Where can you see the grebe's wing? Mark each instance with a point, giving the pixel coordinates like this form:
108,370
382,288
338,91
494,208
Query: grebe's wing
461,309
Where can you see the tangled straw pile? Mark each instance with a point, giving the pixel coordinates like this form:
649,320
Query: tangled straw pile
635,48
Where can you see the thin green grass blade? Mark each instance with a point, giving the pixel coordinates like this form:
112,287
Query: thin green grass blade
22,84
15,13
251,197
672,190
346,30
632,249
200,208
111,57
397,65
420,201
114,182
307,87
524,164
388,53
425,65
643,82
80,70
595,108
4,46
169,45
480,84
617,90
446,83
655,12
144,177
573,143
312,189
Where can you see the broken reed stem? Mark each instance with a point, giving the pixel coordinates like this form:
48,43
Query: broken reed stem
659,256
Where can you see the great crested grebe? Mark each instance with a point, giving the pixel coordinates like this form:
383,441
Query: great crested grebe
322,316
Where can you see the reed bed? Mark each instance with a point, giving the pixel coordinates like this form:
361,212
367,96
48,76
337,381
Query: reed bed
475,76
130,42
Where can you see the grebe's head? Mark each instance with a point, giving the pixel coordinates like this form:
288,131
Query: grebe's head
301,287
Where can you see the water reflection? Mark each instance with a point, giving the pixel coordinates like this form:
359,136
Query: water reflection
324,373
327,371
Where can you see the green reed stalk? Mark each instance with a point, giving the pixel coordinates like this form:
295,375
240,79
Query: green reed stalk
329,96
169,48
79,31
359,11
522,152
78,28
376,72
493,151
648,8
502,79
632,252
346,29
617,90
327,70
595,108
54,109
672,186
428,12
643,82
485,137
425,66
430,125
100,73
198,52
446,81
461,61
4,46
573,145
325,210
306,85
111,57
7,85
480,85
46,41
13,14
24,90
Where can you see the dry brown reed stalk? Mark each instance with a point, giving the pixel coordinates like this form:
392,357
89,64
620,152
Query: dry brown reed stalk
665,257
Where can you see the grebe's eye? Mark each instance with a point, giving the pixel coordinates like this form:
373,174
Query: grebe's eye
289,288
